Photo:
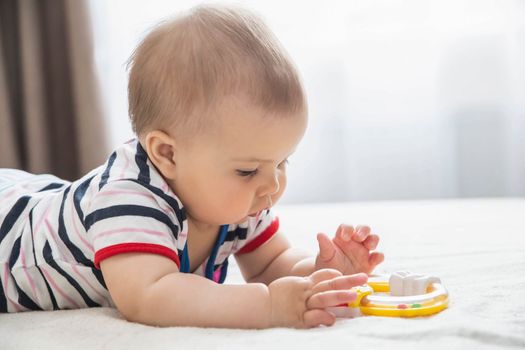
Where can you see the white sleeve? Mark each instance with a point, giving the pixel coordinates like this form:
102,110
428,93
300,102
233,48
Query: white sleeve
126,217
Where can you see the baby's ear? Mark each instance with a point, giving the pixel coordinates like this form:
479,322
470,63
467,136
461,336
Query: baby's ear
161,151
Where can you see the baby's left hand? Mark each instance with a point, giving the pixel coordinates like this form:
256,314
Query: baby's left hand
349,251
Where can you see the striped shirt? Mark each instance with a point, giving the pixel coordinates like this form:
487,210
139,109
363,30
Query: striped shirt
54,233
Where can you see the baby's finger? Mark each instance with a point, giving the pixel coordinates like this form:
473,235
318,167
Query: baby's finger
371,242
361,233
330,298
375,259
341,283
324,274
344,232
326,247
317,317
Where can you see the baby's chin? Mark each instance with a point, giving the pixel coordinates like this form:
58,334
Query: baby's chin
240,221
246,217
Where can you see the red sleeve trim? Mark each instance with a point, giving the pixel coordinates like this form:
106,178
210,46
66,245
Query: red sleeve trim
135,248
262,238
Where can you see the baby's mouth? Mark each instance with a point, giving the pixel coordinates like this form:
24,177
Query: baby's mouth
257,213
270,204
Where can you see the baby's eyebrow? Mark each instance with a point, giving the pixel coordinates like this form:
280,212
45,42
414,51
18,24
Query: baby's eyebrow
258,160
253,160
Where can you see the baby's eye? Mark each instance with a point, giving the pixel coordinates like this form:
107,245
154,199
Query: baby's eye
246,173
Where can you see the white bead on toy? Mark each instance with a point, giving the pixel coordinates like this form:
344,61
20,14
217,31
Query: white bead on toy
405,283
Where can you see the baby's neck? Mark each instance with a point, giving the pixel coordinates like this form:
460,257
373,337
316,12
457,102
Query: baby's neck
201,239
198,227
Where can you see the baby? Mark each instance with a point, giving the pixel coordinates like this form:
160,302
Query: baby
217,107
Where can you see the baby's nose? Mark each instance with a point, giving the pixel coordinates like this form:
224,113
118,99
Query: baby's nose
271,186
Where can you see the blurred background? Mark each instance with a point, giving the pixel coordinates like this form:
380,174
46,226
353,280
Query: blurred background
408,99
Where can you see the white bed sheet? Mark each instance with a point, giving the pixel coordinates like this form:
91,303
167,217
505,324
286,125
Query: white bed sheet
476,246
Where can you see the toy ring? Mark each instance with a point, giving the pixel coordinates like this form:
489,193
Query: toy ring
402,295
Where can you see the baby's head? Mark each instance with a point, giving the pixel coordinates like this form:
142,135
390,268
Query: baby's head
187,65
218,106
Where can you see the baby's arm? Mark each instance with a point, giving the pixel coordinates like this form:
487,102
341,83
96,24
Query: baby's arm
275,259
350,252
149,289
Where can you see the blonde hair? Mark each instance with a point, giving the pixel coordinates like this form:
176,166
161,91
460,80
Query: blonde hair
185,65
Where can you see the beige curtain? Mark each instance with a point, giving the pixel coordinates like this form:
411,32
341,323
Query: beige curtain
51,117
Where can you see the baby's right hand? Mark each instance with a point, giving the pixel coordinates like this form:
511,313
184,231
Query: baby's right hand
300,302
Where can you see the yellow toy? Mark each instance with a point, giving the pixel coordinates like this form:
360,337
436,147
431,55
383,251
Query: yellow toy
403,294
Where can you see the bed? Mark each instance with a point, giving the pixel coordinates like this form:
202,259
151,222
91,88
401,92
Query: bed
476,247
